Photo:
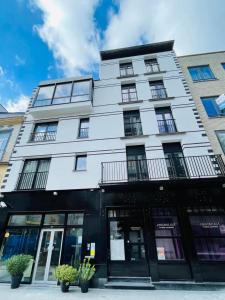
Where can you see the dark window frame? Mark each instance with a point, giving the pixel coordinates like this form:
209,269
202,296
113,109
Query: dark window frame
129,93
45,137
135,127
86,133
217,135
125,67
152,63
76,162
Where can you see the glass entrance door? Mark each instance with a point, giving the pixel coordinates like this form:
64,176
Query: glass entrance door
48,255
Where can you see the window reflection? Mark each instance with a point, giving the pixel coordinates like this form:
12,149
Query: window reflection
72,246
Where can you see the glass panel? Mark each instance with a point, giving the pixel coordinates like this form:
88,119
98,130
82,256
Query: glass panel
54,219
81,163
201,73
136,235
208,225
24,220
117,250
210,248
30,166
73,246
211,107
45,92
55,254
61,100
40,272
221,137
169,249
166,226
18,241
75,219
80,98
63,90
81,88
137,252
4,137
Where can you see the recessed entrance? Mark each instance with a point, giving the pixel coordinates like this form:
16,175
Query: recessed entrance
48,255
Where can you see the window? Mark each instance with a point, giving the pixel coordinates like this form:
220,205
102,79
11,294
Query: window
44,132
208,228
4,138
165,120
24,220
212,107
126,69
81,91
34,175
62,93
158,90
223,65
45,94
81,163
167,234
83,128
129,92
152,65
221,138
132,123
54,219
201,73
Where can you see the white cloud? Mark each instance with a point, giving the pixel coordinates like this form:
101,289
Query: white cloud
19,60
196,26
1,71
18,105
70,32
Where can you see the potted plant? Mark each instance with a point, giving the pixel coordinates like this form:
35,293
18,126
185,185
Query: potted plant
66,275
16,265
86,272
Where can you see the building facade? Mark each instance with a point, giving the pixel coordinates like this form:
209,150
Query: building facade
117,169
205,76
10,124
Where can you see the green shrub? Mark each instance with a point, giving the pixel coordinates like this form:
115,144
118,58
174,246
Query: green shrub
66,273
86,270
17,264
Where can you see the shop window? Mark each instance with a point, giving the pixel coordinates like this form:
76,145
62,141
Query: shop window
24,220
167,235
16,241
209,235
54,219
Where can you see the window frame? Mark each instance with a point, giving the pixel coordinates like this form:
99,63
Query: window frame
128,86
47,124
202,79
9,131
217,135
214,104
76,162
148,65
125,66
79,136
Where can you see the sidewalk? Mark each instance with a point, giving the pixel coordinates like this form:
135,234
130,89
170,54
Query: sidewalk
26,292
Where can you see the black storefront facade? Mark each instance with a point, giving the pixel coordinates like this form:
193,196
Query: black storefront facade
166,230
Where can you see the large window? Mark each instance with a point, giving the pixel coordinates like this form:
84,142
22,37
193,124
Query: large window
4,137
63,93
167,234
44,132
83,128
158,90
208,228
166,122
221,137
126,69
213,106
34,175
201,73
152,65
129,92
132,123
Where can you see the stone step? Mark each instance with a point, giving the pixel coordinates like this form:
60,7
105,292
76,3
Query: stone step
129,285
188,285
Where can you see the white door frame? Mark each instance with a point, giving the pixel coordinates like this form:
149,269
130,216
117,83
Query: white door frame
49,255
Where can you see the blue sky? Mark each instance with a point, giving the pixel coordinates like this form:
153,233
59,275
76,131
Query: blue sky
47,39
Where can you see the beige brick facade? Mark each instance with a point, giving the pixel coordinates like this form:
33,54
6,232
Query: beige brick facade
206,89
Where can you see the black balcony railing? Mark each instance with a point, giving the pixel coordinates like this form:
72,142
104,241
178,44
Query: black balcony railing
152,68
129,97
159,93
167,126
83,133
43,136
205,166
132,129
32,181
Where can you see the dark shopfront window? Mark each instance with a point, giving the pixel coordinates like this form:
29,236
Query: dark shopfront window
21,237
208,228
167,234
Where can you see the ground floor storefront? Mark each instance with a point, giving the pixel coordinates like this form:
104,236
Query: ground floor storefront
161,231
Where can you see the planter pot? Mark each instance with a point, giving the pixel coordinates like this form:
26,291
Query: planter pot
64,287
84,285
15,281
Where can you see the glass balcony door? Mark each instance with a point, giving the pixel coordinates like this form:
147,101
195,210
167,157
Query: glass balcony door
48,255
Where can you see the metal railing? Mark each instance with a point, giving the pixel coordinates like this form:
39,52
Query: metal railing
32,181
159,93
129,97
133,128
43,136
167,126
152,68
205,166
83,133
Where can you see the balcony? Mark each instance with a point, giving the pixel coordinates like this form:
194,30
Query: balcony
32,181
167,126
43,136
159,93
176,168
133,129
